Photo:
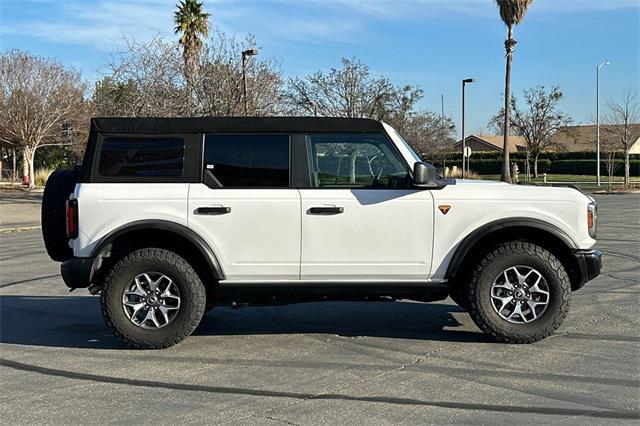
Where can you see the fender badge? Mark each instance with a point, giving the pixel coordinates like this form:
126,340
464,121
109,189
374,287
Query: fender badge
444,208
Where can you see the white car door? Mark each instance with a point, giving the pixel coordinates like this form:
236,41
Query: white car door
245,208
361,219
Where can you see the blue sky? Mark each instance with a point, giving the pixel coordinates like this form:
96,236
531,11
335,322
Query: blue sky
430,43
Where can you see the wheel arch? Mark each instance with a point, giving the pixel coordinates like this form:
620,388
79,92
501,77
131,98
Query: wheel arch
163,234
539,232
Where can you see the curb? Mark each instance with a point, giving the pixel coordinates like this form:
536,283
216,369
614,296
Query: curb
19,229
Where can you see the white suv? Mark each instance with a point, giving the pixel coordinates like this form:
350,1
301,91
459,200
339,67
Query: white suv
167,218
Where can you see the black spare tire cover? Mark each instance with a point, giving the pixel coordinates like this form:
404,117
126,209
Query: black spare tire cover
59,186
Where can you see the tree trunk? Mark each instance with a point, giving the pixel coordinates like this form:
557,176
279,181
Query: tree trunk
32,173
25,167
535,165
506,166
610,169
626,169
1,158
352,173
338,169
14,172
28,173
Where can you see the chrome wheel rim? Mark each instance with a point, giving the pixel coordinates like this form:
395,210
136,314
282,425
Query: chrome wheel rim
520,294
151,300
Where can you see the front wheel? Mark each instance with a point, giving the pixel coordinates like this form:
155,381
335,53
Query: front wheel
519,293
152,299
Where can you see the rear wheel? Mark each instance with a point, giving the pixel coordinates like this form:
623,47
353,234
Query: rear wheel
519,293
152,299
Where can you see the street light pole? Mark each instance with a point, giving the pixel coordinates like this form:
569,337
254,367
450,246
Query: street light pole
464,142
245,53
598,117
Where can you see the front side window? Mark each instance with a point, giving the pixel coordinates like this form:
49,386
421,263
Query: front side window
141,157
247,161
355,161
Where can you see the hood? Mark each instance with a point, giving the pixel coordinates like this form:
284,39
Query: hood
478,182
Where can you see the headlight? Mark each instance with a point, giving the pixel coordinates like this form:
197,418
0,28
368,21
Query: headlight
592,218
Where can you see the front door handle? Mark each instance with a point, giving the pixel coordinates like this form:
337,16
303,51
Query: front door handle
213,210
326,210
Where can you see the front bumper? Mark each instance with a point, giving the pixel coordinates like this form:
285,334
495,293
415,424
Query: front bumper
78,272
589,264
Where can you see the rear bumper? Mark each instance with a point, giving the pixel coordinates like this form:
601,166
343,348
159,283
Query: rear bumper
78,272
590,265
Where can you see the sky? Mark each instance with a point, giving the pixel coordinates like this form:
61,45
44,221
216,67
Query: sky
430,43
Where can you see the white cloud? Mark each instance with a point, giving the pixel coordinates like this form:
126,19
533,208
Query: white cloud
105,24
102,24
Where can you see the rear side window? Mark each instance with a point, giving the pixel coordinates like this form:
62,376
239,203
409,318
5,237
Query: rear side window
141,157
247,161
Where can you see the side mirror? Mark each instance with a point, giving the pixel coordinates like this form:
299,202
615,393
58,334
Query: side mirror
424,174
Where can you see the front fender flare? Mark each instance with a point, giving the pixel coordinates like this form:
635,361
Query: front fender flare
519,222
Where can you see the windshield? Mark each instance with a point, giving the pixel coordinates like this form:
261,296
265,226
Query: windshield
415,156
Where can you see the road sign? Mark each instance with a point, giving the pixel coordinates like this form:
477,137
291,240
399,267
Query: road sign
467,151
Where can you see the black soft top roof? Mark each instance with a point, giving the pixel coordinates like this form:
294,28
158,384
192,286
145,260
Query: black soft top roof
235,125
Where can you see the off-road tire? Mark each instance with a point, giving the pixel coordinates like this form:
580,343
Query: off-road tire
59,186
499,259
192,293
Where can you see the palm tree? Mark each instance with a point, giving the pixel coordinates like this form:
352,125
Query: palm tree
192,22
512,13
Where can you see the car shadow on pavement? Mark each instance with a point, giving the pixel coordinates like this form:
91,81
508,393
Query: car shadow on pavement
76,321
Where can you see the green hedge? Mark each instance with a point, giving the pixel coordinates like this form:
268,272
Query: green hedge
581,163
553,156
494,167
588,167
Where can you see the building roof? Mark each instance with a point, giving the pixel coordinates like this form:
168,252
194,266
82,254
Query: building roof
235,125
583,138
493,143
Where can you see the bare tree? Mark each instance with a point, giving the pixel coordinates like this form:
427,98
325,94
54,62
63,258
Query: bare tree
610,149
218,87
145,79
623,122
41,104
537,122
430,134
349,91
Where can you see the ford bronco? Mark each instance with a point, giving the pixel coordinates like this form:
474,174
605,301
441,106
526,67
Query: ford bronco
169,217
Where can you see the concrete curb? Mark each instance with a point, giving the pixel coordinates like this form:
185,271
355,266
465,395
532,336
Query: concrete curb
19,229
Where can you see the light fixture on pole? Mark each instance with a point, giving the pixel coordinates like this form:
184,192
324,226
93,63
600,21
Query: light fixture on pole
245,53
464,142
598,117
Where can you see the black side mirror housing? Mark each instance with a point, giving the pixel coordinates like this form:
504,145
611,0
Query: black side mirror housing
424,174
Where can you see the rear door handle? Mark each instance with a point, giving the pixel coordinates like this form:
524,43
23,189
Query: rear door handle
213,210
326,210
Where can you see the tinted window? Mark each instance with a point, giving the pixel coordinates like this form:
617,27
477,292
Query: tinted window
143,157
248,161
355,161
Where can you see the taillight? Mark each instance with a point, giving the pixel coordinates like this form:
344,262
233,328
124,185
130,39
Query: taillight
72,218
592,217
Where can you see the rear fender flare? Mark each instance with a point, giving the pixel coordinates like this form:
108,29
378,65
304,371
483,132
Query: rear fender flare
194,238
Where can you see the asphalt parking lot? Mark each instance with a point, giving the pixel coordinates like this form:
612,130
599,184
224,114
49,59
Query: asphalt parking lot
331,363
